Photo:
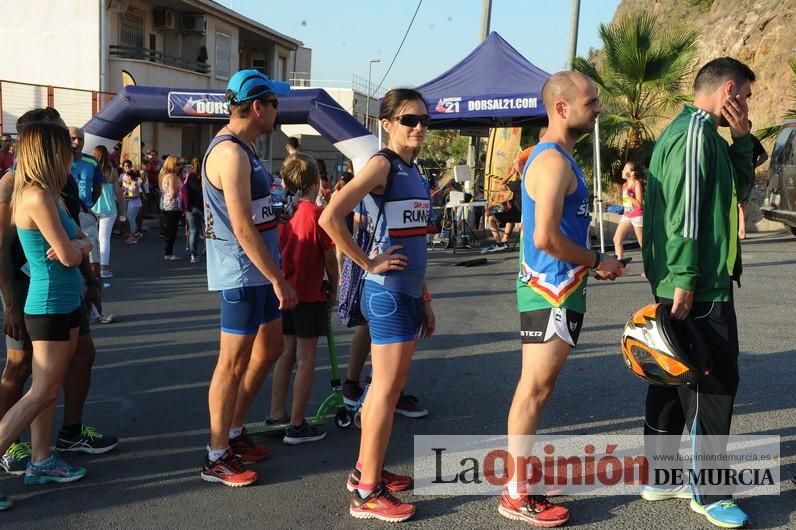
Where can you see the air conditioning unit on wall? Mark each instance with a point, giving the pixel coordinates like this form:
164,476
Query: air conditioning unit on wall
163,18
193,23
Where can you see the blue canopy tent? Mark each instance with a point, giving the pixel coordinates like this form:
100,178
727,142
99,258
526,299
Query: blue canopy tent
494,86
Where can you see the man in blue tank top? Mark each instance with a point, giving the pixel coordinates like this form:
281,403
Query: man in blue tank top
243,265
554,263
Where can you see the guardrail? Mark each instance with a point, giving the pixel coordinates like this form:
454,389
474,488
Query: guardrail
145,54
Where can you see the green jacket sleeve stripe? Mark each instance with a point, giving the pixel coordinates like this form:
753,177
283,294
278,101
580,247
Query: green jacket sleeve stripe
693,158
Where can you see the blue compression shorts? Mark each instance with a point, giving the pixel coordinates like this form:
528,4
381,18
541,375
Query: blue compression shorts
245,309
393,317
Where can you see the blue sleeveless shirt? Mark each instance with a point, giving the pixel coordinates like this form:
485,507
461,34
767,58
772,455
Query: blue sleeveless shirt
228,266
400,217
54,288
543,280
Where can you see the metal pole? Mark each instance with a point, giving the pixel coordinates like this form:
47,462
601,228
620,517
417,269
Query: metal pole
573,34
486,17
367,103
598,184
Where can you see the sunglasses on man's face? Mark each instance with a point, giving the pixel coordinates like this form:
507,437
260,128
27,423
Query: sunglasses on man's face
411,120
272,101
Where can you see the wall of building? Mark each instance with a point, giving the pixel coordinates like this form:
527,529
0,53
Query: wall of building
51,42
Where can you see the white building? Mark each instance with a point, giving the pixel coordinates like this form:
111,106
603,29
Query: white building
57,46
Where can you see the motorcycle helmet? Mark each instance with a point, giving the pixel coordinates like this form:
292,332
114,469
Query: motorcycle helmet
662,350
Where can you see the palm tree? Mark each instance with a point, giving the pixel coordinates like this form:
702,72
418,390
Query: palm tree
640,74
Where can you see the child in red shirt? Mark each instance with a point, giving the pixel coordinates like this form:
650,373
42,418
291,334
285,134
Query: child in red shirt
307,253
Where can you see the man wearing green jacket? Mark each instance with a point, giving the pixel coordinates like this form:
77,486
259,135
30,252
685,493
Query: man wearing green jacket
691,256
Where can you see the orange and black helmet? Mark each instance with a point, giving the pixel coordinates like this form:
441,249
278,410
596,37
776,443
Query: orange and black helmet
664,351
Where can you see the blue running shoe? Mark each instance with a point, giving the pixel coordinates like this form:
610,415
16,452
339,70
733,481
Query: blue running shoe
5,502
659,493
52,470
16,458
725,514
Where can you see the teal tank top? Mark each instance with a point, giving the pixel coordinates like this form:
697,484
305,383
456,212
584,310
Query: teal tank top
54,289
106,203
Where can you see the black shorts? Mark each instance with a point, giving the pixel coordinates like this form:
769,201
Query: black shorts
537,327
306,320
23,343
52,327
510,216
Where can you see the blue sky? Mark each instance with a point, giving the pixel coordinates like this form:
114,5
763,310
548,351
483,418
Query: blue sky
345,34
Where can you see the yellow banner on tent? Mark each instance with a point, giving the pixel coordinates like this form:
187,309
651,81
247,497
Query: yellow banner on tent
501,151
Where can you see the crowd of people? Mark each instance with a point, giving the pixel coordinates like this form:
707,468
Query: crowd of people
276,275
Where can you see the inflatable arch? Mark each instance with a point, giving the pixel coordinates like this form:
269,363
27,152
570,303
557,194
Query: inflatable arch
312,106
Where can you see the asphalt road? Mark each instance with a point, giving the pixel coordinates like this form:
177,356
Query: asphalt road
151,376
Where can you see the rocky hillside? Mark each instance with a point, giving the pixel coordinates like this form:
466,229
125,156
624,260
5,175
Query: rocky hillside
761,33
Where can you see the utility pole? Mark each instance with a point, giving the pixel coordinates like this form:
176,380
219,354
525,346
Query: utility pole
475,141
486,18
573,34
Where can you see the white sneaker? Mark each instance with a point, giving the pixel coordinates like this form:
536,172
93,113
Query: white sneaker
496,248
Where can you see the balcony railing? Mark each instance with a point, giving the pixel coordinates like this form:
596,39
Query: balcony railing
145,54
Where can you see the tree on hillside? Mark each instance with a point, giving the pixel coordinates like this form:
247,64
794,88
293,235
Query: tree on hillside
444,145
640,74
768,133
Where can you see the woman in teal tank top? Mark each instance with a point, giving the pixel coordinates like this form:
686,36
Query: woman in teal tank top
106,208
54,247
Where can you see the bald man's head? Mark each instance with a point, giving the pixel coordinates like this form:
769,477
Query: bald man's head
563,86
571,99
77,137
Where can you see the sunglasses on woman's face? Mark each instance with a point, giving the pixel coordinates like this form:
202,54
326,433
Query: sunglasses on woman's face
411,120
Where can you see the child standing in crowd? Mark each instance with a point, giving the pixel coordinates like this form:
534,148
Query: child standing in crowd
307,252
131,189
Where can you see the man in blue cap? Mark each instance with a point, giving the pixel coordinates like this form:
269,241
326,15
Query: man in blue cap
243,265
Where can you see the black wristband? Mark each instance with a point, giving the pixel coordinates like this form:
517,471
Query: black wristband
598,258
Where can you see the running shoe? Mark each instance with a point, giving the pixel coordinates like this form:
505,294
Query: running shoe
228,470
171,257
352,393
195,259
382,505
52,470
5,502
409,406
16,458
245,449
88,440
106,318
303,434
725,514
497,247
392,481
535,510
658,493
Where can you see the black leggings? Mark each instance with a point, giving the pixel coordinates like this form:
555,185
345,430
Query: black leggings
171,220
